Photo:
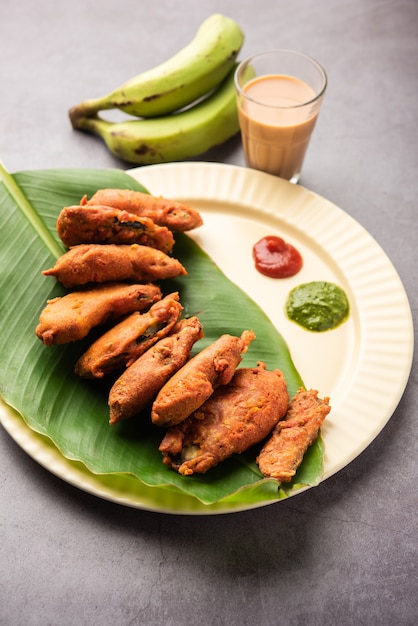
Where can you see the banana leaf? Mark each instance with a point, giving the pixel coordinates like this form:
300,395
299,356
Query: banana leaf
39,383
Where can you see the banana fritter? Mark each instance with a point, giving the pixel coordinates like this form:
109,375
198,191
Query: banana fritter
137,387
103,224
188,389
233,419
100,263
71,317
282,454
121,345
177,216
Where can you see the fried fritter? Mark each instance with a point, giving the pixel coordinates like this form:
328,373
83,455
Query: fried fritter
234,418
137,387
121,345
71,317
282,454
103,224
188,389
177,216
100,263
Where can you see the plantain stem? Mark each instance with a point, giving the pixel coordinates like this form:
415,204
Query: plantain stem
91,123
88,108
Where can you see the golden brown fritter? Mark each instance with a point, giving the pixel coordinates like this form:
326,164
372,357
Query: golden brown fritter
103,224
195,381
234,418
121,345
282,454
137,387
101,263
177,216
71,317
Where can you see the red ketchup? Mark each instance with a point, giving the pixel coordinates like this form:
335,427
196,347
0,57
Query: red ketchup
275,258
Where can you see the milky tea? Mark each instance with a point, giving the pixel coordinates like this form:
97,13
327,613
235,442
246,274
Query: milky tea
278,111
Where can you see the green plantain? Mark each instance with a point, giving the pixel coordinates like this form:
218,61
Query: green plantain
185,77
174,137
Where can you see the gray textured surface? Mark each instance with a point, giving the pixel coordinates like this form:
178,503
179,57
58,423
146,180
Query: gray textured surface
343,553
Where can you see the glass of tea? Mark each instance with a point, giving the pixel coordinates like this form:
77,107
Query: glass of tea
279,95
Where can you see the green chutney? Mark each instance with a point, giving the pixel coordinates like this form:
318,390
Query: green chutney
317,306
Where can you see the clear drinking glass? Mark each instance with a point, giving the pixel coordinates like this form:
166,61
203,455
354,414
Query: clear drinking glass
279,96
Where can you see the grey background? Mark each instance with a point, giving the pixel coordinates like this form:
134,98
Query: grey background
343,553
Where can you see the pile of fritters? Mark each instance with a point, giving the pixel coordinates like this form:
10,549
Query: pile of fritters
120,243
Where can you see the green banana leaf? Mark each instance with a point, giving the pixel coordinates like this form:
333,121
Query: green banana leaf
39,382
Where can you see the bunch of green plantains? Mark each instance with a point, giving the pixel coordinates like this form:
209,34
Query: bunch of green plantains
186,105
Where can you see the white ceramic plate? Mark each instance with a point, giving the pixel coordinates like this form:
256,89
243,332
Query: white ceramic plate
363,365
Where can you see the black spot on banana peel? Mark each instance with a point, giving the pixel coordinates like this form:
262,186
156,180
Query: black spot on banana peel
142,150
